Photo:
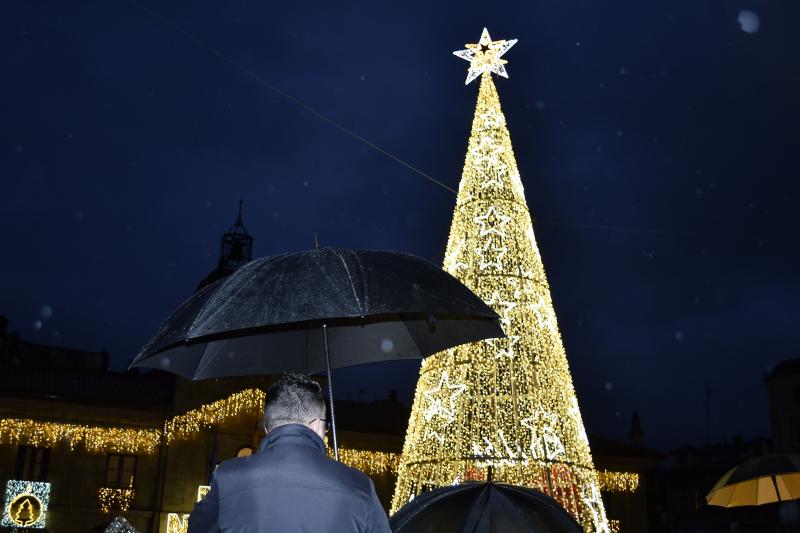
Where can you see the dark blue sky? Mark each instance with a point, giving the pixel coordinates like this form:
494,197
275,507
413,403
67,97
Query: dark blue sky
125,146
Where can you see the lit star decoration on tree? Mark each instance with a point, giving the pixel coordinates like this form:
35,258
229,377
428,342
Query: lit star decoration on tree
506,346
485,56
517,411
594,503
437,396
545,443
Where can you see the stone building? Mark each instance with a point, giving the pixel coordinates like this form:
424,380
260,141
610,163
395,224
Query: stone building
143,444
783,394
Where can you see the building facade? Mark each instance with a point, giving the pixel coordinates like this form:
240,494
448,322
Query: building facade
783,394
143,445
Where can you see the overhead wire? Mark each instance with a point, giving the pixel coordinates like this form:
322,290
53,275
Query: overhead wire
259,79
290,97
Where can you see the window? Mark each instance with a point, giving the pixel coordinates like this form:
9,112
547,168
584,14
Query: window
32,463
121,470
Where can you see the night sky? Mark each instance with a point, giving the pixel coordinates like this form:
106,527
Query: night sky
657,142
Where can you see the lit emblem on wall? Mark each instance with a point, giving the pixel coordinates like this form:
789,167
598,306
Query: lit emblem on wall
26,504
179,522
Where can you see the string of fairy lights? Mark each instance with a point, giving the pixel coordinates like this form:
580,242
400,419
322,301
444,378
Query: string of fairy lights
121,498
188,424
100,439
93,439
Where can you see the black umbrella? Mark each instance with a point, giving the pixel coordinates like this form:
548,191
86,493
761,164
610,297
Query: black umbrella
316,310
483,508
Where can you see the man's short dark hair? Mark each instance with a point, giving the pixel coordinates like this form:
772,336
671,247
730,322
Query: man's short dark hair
293,399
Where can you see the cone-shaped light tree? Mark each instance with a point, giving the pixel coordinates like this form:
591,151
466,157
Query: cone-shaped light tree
505,404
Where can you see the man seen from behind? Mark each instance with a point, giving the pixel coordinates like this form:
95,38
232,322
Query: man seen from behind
290,484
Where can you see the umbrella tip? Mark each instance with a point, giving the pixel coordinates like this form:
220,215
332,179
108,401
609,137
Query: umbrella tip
316,240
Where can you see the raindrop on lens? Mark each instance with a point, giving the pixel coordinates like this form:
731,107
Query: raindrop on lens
678,335
165,362
46,312
609,386
748,21
231,354
37,325
387,345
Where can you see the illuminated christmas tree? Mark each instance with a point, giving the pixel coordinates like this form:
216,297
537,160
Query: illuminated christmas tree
24,516
508,404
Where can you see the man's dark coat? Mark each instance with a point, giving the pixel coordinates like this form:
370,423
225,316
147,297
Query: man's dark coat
290,485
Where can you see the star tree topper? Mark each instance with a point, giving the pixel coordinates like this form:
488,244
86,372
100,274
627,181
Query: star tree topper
485,56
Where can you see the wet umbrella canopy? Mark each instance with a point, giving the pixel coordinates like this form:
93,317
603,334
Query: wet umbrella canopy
266,317
316,310
483,508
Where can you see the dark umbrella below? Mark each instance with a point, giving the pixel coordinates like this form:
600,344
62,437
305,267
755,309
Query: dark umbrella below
316,310
483,508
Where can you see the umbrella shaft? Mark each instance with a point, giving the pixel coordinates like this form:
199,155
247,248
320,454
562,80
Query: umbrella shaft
330,390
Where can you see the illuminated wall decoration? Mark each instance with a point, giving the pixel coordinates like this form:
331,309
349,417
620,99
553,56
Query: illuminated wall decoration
99,439
506,403
371,463
146,441
120,525
94,439
186,425
119,498
618,481
26,504
177,522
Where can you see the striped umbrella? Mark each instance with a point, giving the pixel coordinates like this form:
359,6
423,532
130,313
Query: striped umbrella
766,479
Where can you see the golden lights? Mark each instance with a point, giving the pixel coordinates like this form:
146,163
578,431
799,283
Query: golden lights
202,490
143,441
26,504
371,463
146,441
93,438
506,403
618,481
185,425
177,522
121,498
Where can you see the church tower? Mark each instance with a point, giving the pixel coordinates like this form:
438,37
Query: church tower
236,249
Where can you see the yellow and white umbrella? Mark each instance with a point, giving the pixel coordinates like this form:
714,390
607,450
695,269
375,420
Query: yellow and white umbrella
767,479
